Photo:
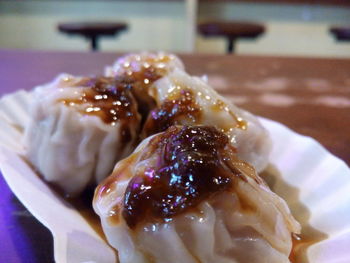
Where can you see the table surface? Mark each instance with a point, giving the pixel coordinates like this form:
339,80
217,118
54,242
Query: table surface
309,95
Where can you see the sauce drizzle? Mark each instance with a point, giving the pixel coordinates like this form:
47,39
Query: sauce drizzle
141,72
108,98
190,167
181,105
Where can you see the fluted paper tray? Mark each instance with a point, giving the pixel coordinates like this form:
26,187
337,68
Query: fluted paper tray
322,179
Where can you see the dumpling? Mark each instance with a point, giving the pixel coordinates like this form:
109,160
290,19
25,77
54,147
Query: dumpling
142,70
79,128
144,63
184,196
182,99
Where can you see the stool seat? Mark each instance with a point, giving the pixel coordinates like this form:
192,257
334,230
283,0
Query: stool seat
93,30
231,30
341,33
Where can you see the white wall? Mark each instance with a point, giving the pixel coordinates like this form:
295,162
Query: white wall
32,24
291,29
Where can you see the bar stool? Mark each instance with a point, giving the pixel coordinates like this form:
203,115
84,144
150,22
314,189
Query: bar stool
341,33
93,30
231,30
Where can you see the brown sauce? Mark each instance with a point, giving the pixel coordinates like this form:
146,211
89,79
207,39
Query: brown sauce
107,186
309,235
141,74
181,105
83,204
112,98
191,166
220,106
121,172
107,98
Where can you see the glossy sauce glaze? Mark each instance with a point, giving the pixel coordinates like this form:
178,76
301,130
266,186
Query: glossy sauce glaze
112,98
220,106
179,106
183,106
108,98
140,73
190,167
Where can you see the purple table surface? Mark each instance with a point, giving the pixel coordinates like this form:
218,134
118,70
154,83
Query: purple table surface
310,95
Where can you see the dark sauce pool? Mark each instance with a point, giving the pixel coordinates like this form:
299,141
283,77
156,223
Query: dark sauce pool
83,204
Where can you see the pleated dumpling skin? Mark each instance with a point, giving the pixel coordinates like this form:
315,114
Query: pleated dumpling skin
184,196
182,99
79,128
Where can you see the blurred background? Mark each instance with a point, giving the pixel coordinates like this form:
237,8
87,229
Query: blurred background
296,28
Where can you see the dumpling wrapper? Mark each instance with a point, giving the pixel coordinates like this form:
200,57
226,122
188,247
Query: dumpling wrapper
79,128
182,99
245,222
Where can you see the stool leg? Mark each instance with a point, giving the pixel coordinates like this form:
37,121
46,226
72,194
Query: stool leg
94,43
231,45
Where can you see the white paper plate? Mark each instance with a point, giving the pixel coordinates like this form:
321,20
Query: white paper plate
322,179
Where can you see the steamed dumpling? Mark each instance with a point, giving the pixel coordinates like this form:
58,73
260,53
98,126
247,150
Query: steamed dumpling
79,128
184,196
133,64
185,100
